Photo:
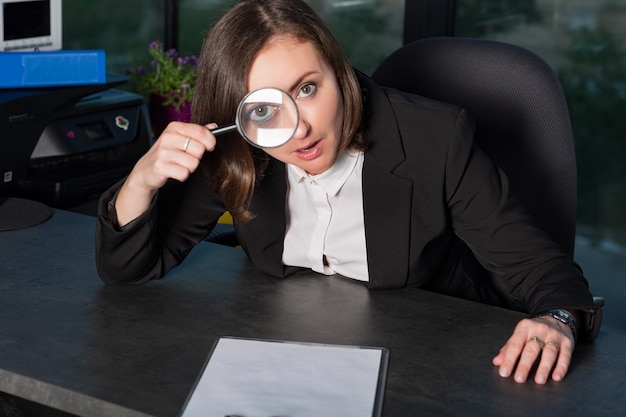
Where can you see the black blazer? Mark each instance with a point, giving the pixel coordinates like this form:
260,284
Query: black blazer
434,205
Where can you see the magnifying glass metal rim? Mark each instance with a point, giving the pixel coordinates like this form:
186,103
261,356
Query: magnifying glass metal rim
236,126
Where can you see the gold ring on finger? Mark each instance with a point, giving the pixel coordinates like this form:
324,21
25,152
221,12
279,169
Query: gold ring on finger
186,144
538,341
556,344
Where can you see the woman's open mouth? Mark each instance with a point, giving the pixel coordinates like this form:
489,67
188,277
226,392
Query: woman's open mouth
311,151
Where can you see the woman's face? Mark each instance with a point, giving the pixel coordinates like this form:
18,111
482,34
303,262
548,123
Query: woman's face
297,68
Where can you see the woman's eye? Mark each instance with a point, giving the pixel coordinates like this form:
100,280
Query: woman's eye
307,90
261,113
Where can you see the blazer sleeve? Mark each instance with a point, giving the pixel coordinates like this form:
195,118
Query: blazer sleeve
486,215
181,215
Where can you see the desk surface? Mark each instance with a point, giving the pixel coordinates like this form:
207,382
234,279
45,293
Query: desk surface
69,342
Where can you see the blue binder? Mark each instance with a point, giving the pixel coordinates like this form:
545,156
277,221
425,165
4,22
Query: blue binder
52,68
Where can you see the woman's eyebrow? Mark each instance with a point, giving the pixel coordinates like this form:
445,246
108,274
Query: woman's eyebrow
301,78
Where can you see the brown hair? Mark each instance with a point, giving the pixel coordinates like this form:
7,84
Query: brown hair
229,49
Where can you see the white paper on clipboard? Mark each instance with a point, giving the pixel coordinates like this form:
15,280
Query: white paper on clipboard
267,378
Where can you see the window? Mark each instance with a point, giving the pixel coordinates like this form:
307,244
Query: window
368,30
123,31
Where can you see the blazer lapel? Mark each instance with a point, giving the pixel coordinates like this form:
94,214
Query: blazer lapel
386,196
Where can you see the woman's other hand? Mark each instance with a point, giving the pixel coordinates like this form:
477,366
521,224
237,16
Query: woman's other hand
543,339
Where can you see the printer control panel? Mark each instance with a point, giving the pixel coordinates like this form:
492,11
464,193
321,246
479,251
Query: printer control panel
88,131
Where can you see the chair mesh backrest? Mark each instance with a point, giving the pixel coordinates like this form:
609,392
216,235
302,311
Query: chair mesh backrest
521,115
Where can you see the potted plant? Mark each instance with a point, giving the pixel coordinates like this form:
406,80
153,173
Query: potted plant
168,83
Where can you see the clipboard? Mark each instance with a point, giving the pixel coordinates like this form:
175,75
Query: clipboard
272,378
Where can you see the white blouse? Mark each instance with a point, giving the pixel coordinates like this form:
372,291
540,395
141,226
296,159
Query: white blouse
325,227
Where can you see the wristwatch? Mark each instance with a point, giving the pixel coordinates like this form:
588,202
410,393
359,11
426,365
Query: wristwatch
562,316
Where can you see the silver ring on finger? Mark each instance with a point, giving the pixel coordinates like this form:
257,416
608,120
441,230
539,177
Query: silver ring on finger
186,144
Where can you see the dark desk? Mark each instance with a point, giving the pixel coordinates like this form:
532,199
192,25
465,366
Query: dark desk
69,342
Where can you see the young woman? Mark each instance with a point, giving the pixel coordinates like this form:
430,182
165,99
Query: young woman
376,185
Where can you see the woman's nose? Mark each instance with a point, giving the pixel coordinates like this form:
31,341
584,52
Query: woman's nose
302,129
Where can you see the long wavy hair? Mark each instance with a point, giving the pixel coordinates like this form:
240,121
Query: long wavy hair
229,49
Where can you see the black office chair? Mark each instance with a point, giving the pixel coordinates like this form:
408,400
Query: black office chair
522,117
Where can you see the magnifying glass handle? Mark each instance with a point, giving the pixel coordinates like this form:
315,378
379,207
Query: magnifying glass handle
224,129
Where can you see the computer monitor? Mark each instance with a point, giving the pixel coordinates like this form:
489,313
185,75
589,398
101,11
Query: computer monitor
30,25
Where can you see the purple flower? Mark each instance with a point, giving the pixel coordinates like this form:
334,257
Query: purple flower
191,60
169,75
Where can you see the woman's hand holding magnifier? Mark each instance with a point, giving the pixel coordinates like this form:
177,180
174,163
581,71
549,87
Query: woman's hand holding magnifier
266,118
176,154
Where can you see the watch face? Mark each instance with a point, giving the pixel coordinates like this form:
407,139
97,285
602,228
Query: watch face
564,318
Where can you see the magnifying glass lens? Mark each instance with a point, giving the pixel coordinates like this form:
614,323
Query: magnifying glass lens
267,117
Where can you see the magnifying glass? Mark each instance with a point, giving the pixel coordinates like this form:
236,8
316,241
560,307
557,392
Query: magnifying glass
266,118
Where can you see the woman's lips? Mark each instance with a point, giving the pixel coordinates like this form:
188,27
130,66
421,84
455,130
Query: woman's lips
310,151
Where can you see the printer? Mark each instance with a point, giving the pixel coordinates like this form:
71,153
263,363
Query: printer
65,145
